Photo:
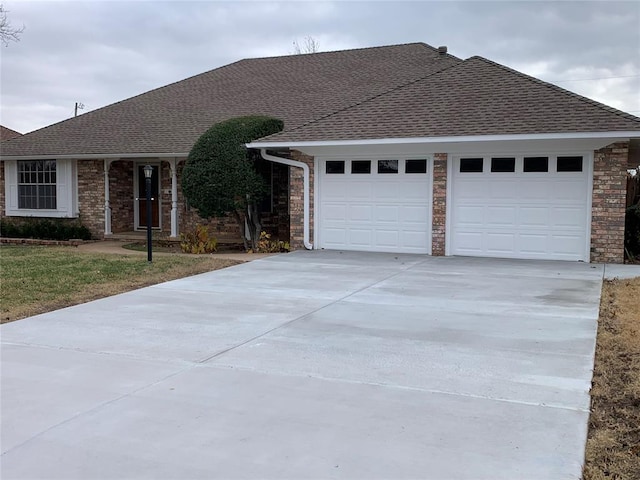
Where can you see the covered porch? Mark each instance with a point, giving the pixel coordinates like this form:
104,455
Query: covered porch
125,195
125,201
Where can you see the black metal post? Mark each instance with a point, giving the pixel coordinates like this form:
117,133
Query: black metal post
149,221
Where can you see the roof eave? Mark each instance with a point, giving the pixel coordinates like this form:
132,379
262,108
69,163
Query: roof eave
94,156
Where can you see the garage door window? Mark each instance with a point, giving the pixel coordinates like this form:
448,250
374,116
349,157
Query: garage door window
503,165
415,166
471,165
569,164
536,164
335,167
387,166
361,166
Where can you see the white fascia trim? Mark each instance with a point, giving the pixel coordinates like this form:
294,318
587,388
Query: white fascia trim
92,156
460,139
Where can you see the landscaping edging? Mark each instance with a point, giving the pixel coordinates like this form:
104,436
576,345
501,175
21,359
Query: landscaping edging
38,241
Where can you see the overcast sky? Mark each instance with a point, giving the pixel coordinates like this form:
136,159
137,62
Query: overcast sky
98,53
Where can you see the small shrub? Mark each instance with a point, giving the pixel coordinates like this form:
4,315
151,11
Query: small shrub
267,245
632,232
44,229
199,241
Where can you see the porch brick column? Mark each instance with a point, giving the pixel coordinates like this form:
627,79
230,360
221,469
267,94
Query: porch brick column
173,164
609,203
439,220
107,200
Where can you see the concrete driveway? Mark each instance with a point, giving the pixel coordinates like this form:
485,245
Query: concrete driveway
311,365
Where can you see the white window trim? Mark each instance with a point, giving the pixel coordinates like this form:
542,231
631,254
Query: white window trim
66,192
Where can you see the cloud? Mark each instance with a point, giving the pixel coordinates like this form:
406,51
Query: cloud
102,52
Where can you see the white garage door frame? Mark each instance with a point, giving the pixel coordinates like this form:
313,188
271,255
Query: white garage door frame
319,166
453,160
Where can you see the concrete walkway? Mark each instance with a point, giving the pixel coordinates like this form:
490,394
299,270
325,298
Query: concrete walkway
311,365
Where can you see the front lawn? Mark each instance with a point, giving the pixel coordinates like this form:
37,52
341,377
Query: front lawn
613,446
39,279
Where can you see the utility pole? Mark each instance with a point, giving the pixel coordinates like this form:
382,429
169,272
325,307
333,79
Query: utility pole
79,106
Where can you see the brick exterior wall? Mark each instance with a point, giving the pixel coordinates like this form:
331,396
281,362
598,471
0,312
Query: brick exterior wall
439,220
121,196
91,195
296,200
608,203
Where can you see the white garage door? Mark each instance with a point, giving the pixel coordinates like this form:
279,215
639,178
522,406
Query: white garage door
375,205
521,207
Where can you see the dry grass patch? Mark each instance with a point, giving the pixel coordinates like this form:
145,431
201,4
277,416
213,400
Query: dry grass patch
613,446
39,279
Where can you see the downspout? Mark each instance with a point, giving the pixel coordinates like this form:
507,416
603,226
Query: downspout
305,170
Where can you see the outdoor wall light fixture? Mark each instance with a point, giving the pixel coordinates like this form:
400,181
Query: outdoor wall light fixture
148,172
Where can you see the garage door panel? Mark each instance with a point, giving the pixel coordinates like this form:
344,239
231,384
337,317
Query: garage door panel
500,242
533,243
469,215
469,242
414,214
567,217
414,191
357,191
335,212
336,192
386,213
501,189
501,216
534,217
386,238
566,244
520,214
414,240
573,190
531,190
334,236
471,190
385,190
359,237
360,213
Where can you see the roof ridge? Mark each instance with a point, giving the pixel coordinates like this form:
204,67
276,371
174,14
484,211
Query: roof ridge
378,47
386,92
552,86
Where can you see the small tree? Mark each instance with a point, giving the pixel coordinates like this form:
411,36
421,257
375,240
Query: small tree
219,177
310,45
8,33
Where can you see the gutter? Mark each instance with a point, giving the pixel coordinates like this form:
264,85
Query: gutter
305,169
95,156
448,139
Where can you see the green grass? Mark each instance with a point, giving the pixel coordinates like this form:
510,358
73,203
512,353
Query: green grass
36,279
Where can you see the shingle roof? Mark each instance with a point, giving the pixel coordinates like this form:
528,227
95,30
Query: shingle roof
7,133
474,97
296,89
